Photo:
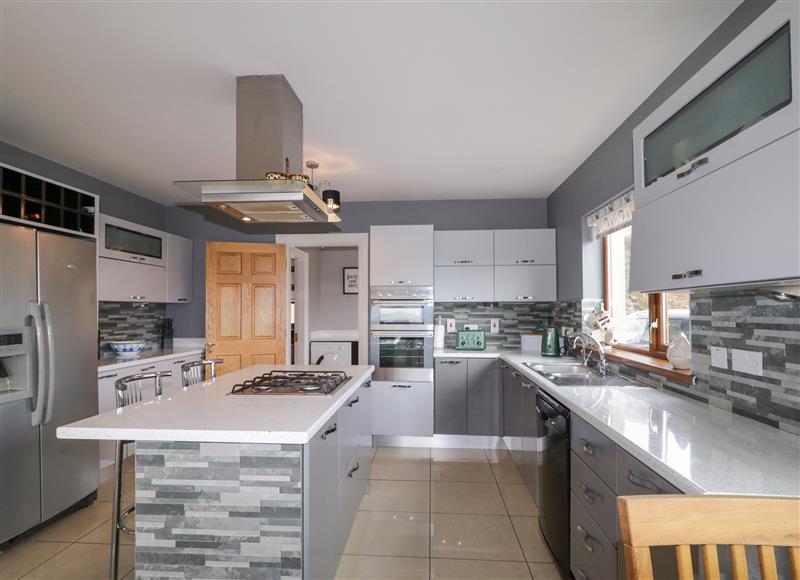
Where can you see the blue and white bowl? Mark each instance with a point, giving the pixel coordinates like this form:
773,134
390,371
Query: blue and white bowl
127,347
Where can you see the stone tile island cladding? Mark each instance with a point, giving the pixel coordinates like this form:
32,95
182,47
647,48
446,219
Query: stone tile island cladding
218,510
129,321
747,320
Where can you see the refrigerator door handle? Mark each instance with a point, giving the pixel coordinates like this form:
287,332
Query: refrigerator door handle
38,410
51,363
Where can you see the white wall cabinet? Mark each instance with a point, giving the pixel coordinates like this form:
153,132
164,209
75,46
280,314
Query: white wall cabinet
463,248
738,225
524,283
401,255
402,408
463,284
120,281
179,269
520,247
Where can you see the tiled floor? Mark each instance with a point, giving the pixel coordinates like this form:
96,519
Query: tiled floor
427,514
74,547
446,514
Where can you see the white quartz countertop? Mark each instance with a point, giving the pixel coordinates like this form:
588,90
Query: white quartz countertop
113,363
206,412
696,447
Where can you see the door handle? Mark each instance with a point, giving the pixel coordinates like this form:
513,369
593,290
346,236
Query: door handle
51,363
41,373
210,346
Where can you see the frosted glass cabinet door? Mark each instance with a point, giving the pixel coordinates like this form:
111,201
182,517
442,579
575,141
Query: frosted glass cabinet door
401,255
524,283
515,247
463,248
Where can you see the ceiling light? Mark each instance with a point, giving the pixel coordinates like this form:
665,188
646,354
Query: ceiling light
332,198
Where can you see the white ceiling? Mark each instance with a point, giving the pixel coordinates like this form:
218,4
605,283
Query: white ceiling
401,100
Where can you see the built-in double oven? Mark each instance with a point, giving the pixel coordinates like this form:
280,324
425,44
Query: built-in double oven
401,332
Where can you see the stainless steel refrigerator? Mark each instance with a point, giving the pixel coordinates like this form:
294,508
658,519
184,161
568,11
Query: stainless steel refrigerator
48,375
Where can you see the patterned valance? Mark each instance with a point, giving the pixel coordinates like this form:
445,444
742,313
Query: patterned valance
615,215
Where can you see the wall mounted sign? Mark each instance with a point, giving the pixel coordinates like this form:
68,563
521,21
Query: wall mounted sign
350,280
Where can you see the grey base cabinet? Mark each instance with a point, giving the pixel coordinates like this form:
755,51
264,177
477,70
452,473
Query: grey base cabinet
521,427
402,408
336,467
467,397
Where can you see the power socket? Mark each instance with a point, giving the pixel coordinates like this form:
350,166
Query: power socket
747,361
494,325
719,357
451,325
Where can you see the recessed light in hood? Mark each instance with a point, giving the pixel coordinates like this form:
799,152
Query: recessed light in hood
269,137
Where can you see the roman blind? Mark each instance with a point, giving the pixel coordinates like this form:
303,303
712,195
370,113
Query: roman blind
613,216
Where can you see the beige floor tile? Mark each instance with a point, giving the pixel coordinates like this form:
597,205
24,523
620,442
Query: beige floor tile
442,569
530,537
22,557
106,491
402,469
450,497
541,571
389,534
77,524
102,534
462,471
401,496
82,561
506,472
474,537
498,455
456,454
518,500
382,453
382,568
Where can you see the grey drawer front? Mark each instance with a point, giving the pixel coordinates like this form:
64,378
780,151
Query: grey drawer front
595,450
592,555
634,478
598,499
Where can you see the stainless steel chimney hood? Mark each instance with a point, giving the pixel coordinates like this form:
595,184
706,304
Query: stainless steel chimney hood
269,137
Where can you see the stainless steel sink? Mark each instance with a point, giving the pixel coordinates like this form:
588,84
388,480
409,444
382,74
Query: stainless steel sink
574,375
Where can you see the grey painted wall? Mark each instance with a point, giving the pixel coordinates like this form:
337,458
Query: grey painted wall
332,309
203,224
113,200
609,169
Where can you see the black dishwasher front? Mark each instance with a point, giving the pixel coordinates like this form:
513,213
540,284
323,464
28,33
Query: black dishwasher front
554,486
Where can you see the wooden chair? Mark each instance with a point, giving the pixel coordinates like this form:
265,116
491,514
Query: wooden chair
686,520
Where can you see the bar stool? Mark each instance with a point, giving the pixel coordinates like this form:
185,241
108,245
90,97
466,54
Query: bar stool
194,372
128,391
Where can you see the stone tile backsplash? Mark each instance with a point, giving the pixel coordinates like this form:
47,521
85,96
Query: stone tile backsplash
515,318
129,321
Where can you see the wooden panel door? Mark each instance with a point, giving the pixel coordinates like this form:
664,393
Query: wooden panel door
246,304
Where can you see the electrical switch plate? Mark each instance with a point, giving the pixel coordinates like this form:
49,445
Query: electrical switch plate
748,361
494,325
451,325
719,357
567,332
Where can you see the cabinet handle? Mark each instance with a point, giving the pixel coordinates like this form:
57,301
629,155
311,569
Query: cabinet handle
587,539
329,431
515,374
525,261
367,385
352,402
641,482
699,163
451,362
463,298
688,274
524,297
587,447
401,386
182,299
148,368
179,362
503,366
356,467
401,281
581,575
138,297
107,376
588,494
462,261
527,385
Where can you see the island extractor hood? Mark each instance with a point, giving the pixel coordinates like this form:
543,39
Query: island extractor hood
269,137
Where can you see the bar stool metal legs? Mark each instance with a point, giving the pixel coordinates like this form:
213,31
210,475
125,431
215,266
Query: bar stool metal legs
128,390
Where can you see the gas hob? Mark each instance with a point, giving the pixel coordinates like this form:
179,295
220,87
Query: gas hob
292,383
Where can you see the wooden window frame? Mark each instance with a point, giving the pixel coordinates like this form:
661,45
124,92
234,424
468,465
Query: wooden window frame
658,314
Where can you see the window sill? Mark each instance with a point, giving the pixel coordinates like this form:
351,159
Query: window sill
649,363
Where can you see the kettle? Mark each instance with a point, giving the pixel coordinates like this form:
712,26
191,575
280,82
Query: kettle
550,342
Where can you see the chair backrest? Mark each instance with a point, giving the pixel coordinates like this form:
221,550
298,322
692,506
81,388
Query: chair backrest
129,389
194,372
708,521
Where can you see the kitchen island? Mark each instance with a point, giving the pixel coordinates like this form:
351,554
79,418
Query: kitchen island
244,486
